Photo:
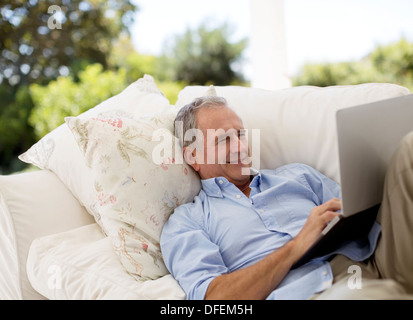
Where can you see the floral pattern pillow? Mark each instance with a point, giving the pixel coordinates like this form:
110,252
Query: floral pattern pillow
137,184
59,153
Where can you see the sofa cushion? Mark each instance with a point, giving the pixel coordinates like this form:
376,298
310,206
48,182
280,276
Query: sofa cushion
32,205
84,266
295,124
137,183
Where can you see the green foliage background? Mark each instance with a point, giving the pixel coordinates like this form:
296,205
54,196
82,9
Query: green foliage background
65,97
48,74
392,63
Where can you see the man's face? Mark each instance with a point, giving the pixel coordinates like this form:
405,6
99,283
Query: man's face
226,150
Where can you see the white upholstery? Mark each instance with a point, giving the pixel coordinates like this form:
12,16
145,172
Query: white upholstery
32,205
84,266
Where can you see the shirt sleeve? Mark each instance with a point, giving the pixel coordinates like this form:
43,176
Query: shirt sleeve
190,256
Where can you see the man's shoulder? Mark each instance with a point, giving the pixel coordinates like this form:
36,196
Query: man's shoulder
187,217
192,208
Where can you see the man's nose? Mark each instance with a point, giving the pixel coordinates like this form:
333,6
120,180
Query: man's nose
239,145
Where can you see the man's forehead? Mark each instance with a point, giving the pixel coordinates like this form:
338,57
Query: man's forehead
218,118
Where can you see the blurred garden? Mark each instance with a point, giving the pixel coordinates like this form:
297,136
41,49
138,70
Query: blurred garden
61,60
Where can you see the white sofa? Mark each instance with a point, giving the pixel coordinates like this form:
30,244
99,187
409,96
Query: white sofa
54,240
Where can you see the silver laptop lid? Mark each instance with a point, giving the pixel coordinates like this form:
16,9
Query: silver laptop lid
368,136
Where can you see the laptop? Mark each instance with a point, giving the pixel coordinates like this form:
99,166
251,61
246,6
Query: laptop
368,135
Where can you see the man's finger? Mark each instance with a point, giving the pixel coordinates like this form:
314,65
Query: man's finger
332,205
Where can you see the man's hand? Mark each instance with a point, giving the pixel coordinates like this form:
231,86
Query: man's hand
317,220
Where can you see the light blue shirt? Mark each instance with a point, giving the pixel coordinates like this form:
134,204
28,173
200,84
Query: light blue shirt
222,231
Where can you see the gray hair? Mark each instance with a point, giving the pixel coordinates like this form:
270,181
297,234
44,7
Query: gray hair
187,115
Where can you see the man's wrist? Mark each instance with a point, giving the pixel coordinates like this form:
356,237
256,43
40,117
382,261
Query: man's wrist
298,247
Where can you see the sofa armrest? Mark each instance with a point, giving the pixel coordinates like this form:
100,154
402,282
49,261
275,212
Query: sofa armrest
33,205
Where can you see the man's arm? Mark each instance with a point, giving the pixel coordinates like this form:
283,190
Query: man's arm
259,280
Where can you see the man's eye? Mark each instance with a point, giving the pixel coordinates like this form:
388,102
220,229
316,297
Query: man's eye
223,140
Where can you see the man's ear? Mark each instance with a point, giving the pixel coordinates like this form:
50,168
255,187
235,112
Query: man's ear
190,158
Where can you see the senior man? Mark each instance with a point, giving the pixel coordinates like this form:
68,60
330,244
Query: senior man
242,234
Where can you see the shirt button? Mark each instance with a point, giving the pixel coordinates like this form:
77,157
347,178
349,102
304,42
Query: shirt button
238,196
221,182
262,210
218,193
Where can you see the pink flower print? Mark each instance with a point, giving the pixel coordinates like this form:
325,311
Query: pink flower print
101,199
104,199
167,162
117,123
112,199
143,246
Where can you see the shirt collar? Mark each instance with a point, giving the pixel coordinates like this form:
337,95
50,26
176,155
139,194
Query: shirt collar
214,187
256,181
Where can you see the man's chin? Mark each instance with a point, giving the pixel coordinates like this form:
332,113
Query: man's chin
239,168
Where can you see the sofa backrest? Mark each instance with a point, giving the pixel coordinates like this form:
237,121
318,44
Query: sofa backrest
295,124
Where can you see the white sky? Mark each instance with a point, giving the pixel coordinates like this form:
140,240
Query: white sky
316,30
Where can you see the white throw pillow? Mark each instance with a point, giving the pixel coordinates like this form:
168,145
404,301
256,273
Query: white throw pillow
296,124
84,266
58,151
137,184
